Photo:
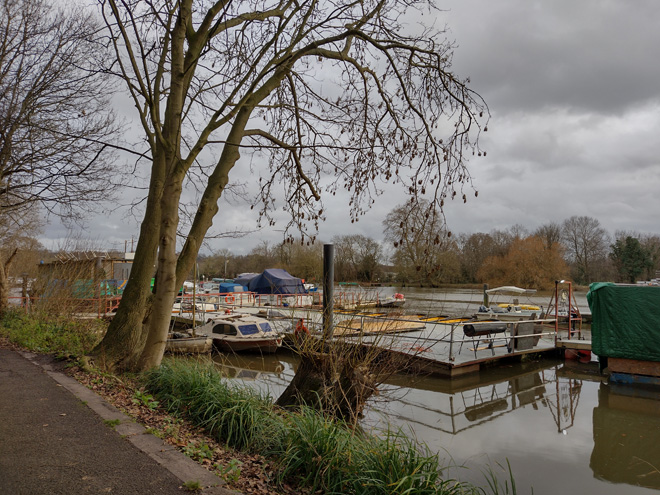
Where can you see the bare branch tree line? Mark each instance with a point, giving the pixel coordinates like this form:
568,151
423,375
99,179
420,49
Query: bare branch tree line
578,249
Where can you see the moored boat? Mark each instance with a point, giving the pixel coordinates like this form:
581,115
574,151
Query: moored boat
181,343
239,332
508,311
394,301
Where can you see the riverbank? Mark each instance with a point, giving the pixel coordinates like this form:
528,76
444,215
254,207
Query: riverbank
305,452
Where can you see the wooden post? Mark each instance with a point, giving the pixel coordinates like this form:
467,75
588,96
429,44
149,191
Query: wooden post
328,289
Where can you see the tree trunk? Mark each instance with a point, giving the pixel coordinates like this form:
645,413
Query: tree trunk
333,383
4,282
124,341
166,288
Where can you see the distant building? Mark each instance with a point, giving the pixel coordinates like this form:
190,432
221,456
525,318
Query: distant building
89,272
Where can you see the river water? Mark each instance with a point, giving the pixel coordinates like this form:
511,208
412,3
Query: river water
558,424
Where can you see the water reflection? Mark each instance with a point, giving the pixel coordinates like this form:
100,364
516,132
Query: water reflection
475,399
626,426
545,417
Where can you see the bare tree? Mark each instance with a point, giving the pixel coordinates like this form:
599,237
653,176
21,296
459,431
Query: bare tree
332,95
586,244
549,233
302,259
54,118
424,251
16,234
357,257
475,249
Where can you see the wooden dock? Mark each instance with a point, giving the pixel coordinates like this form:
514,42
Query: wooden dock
437,345
444,347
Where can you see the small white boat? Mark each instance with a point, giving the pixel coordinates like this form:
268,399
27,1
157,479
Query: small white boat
186,306
394,301
509,311
239,332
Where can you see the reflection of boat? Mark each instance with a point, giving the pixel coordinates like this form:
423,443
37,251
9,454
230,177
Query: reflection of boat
626,447
508,311
266,363
238,332
183,343
240,373
486,409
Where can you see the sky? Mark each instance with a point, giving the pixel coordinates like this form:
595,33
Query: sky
574,94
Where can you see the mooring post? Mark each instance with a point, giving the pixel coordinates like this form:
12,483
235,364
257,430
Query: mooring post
328,289
486,302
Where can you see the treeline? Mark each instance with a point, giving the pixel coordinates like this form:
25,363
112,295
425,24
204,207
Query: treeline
419,250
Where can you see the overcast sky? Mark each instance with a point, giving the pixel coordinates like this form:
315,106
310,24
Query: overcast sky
574,93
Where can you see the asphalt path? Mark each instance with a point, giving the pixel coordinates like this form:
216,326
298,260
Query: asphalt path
58,437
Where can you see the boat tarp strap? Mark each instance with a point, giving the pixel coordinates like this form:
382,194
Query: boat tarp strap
625,321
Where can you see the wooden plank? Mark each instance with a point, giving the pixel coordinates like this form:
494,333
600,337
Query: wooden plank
633,366
375,326
580,345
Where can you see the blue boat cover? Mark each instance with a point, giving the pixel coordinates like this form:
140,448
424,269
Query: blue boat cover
276,281
230,287
244,278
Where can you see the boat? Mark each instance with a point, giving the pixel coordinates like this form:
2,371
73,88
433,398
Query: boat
184,343
508,311
394,301
186,306
240,332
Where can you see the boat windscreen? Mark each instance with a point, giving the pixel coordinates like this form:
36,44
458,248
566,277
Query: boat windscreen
265,327
250,329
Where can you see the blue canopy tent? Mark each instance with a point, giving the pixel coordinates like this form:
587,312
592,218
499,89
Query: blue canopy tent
276,281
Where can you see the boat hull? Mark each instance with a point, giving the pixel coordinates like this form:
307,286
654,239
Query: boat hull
189,345
264,346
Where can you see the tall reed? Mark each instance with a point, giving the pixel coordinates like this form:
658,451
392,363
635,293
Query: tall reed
238,416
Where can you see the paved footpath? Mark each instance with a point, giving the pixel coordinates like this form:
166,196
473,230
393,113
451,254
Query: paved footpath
53,440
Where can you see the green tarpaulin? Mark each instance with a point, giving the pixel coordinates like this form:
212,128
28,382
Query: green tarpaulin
626,321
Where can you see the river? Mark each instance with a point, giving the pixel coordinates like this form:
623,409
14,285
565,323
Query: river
561,427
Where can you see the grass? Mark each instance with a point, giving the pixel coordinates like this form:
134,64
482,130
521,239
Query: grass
192,486
111,422
51,334
315,451
238,417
